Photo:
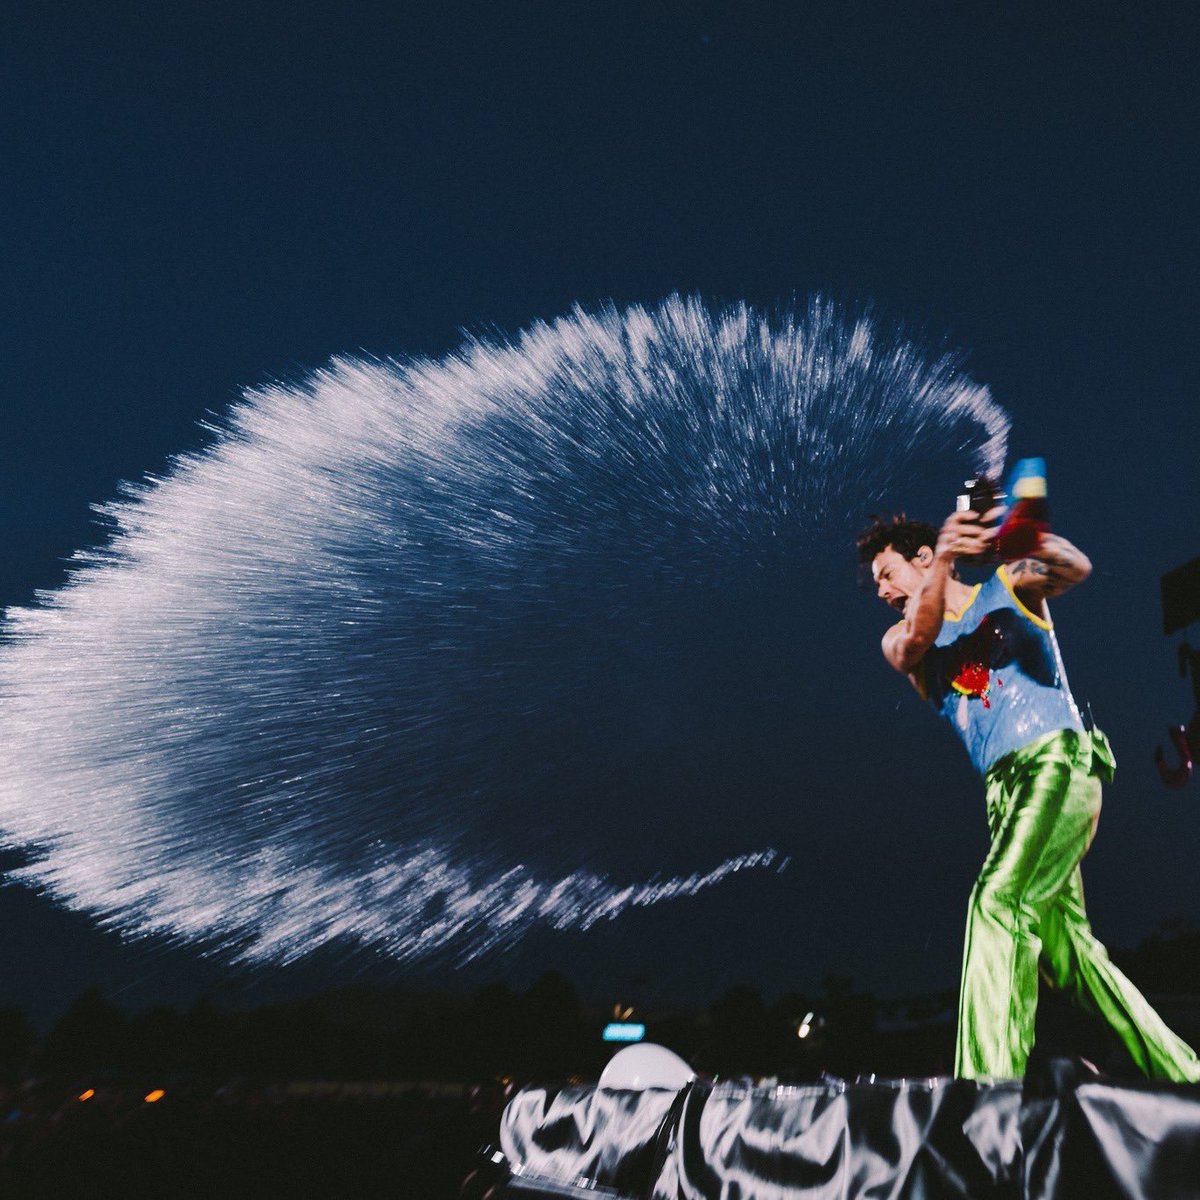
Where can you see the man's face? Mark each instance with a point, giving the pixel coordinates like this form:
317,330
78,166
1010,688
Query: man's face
898,579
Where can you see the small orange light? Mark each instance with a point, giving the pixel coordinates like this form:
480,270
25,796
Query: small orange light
87,1094
157,1094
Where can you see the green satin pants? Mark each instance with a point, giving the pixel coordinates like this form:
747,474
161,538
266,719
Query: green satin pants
1043,802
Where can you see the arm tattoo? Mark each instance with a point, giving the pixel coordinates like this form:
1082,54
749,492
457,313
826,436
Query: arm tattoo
1047,579
1020,571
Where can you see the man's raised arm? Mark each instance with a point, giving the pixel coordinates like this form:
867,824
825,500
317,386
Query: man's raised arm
905,645
1055,567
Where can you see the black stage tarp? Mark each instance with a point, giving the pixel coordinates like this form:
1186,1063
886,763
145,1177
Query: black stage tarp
1062,1134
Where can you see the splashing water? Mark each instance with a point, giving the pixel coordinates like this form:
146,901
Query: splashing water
380,665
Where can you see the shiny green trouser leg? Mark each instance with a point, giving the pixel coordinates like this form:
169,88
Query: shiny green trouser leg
1043,802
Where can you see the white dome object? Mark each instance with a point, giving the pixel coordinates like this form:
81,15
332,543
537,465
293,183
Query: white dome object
646,1066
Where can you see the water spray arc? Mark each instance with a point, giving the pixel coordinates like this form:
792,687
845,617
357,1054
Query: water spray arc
336,677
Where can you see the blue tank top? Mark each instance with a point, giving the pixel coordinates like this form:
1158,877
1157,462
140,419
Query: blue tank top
995,673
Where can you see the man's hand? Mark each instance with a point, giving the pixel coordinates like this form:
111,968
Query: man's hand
966,533
1055,567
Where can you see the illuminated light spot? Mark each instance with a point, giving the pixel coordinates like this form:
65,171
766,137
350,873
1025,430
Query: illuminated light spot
154,1096
616,1031
87,1093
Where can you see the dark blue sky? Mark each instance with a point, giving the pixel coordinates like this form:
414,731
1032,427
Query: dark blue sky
197,201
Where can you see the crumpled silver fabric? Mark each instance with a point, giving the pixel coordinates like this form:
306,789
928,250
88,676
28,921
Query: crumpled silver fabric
933,1139
603,1142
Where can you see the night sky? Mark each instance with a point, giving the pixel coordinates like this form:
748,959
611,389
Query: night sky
204,199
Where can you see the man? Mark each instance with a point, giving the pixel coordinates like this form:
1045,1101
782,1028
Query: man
987,659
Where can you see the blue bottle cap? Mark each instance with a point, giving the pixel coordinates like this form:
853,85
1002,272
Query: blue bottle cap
1027,480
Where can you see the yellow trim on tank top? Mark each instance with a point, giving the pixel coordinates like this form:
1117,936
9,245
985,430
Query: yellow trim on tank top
958,616
1040,622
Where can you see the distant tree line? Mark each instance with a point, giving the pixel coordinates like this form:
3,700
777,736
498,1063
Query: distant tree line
545,1032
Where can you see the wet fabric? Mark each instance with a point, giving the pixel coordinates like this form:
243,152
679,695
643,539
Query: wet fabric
1062,1134
996,676
1027,909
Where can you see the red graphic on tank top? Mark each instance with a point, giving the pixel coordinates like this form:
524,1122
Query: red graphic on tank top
973,676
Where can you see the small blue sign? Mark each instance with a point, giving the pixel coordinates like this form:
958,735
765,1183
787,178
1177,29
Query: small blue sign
623,1031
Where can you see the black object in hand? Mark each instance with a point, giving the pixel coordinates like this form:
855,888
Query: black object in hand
981,496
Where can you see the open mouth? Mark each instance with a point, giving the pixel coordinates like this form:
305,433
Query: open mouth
899,603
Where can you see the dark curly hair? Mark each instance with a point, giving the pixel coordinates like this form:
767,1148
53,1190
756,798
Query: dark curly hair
904,536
